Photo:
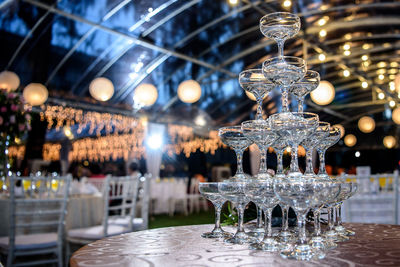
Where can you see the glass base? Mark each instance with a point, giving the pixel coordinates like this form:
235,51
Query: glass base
334,236
303,252
280,175
295,175
268,244
343,231
240,238
217,233
321,243
240,176
257,232
263,175
323,176
309,175
286,237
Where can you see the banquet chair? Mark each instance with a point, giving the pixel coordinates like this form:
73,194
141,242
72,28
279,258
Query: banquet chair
38,206
179,197
195,198
99,183
376,200
143,202
117,219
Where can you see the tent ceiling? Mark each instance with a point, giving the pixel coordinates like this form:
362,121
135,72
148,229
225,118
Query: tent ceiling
66,44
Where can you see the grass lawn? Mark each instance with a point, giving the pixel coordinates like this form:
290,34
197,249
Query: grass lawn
164,220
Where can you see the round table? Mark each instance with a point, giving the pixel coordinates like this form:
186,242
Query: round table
373,245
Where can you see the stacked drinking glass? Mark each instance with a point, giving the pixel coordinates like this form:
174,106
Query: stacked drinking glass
300,191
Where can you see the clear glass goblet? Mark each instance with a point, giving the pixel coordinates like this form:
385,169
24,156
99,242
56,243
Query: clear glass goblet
302,88
294,128
210,192
279,145
330,140
331,234
261,192
284,71
280,26
234,192
351,189
260,133
302,194
318,241
311,142
233,137
254,81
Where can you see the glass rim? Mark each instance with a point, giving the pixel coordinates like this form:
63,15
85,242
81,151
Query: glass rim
272,59
288,14
296,113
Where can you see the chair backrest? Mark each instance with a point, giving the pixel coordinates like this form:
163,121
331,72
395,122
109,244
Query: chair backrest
120,199
38,205
376,200
194,186
144,199
99,183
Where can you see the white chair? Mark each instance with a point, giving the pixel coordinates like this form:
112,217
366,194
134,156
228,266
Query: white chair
143,203
179,196
36,220
99,183
195,198
117,219
376,200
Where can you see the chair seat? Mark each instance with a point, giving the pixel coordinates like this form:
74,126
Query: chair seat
136,224
33,241
96,232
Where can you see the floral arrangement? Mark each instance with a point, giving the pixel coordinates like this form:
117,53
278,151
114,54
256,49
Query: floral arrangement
14,115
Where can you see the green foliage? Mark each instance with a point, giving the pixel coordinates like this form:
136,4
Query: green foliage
229,218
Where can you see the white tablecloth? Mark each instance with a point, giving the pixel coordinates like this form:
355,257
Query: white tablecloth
371,208
162,190
83,211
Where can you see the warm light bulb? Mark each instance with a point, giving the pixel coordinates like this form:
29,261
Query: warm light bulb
287,3
233,2
322,33
381,95
392,103
346,73
381,77
366,46
364,85
392,86
381,64
322,57
347,53
346,46
322,21
364,57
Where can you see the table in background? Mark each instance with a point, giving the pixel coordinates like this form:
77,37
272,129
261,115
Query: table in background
83,211
373,245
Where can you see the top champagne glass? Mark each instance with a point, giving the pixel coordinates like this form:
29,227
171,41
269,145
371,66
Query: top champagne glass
280,26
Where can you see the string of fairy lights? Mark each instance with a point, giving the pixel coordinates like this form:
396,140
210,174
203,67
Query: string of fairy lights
124,136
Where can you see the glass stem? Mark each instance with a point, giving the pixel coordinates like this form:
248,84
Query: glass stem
285,218
317,225
281,45
239,158
279,155
322,169
217,216
259,217
240,209
338,209
285,101
300,104
330,219
259,109
294,166
301,225
309,166
268,223
263,161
